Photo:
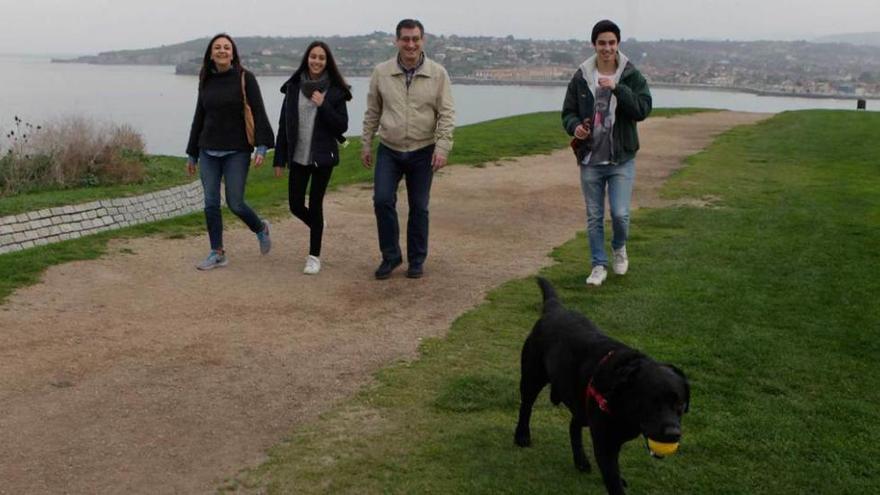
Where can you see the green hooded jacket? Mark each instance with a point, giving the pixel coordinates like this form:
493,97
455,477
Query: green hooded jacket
633,105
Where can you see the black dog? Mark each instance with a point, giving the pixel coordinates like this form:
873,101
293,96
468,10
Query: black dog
616,391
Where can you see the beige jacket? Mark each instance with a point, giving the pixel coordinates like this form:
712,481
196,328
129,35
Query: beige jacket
409,119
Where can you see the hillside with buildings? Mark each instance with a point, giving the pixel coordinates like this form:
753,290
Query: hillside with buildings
772,67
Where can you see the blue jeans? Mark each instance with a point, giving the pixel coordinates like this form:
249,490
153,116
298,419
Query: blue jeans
415,167
234,169
619,181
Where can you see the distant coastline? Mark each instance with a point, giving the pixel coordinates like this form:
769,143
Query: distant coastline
186,71
764,92
705,87
797,69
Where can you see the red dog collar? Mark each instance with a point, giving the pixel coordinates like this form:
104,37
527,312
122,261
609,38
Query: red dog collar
592,393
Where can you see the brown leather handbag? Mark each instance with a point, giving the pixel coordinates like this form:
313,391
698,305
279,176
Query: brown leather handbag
248,114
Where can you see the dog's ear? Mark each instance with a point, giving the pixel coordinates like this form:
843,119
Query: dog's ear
687,386
620,375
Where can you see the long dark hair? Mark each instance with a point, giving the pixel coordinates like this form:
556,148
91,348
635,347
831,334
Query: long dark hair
208,64
331,69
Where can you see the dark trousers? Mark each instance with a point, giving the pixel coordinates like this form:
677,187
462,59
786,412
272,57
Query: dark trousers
313,216
233,169
415,167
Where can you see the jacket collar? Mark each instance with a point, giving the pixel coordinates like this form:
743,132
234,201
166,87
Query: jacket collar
392,68
293,84
588,69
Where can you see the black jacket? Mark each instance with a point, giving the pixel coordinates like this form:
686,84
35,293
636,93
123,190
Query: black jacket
331,122
218,123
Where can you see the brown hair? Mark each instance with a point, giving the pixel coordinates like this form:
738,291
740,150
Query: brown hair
332,71
208,64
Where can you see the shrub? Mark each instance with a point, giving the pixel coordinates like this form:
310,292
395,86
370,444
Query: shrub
19,163
72,151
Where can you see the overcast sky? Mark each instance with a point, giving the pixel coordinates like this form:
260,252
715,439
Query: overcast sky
91,26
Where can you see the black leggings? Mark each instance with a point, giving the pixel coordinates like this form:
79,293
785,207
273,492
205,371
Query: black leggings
313,216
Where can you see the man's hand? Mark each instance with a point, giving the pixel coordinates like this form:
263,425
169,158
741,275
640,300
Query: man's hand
581,132
258,160
607,82
190,168
438,161
279,172
367,157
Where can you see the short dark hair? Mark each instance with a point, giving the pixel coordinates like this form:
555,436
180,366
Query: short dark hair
410,24
605,26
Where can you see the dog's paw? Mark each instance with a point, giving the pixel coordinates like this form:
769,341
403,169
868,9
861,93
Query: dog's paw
583,465
523,440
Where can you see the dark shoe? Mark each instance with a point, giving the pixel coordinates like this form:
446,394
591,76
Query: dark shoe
385,269
264,239
415,271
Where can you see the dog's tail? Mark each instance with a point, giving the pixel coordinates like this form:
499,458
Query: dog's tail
550,298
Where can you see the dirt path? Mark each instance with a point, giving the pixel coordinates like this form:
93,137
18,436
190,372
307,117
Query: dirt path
137,374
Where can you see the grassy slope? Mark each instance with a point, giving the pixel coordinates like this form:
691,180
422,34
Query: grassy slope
767,301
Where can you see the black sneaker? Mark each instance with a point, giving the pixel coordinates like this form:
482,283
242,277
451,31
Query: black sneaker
415,271
385,269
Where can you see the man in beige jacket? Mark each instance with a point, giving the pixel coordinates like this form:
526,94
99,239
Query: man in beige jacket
410,104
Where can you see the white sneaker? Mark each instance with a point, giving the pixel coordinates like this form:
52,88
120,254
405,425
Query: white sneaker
313,265
597,276
620,263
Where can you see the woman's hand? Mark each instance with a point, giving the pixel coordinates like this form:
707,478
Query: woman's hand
317,98
581,132
258,160
279,172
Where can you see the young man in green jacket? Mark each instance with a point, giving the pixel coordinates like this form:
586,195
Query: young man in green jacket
605,99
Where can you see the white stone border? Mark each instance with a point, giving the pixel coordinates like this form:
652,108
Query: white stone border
37,228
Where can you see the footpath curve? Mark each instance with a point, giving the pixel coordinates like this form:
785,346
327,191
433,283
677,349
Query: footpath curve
135,373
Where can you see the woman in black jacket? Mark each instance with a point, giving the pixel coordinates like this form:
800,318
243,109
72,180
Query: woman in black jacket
219,141
313,120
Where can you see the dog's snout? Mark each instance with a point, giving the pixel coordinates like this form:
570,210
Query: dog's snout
672,433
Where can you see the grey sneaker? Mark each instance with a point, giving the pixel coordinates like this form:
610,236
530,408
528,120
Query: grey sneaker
264,239
597,276
620,262
214,260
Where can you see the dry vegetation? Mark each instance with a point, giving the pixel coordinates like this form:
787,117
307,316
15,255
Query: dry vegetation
72,151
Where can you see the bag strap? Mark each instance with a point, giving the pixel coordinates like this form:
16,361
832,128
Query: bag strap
243,90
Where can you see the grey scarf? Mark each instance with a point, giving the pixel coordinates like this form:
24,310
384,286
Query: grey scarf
308,85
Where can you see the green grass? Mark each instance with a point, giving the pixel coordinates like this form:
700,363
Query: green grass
162,172
767,300
675,112
520,135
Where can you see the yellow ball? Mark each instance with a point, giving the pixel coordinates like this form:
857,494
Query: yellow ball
662,449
